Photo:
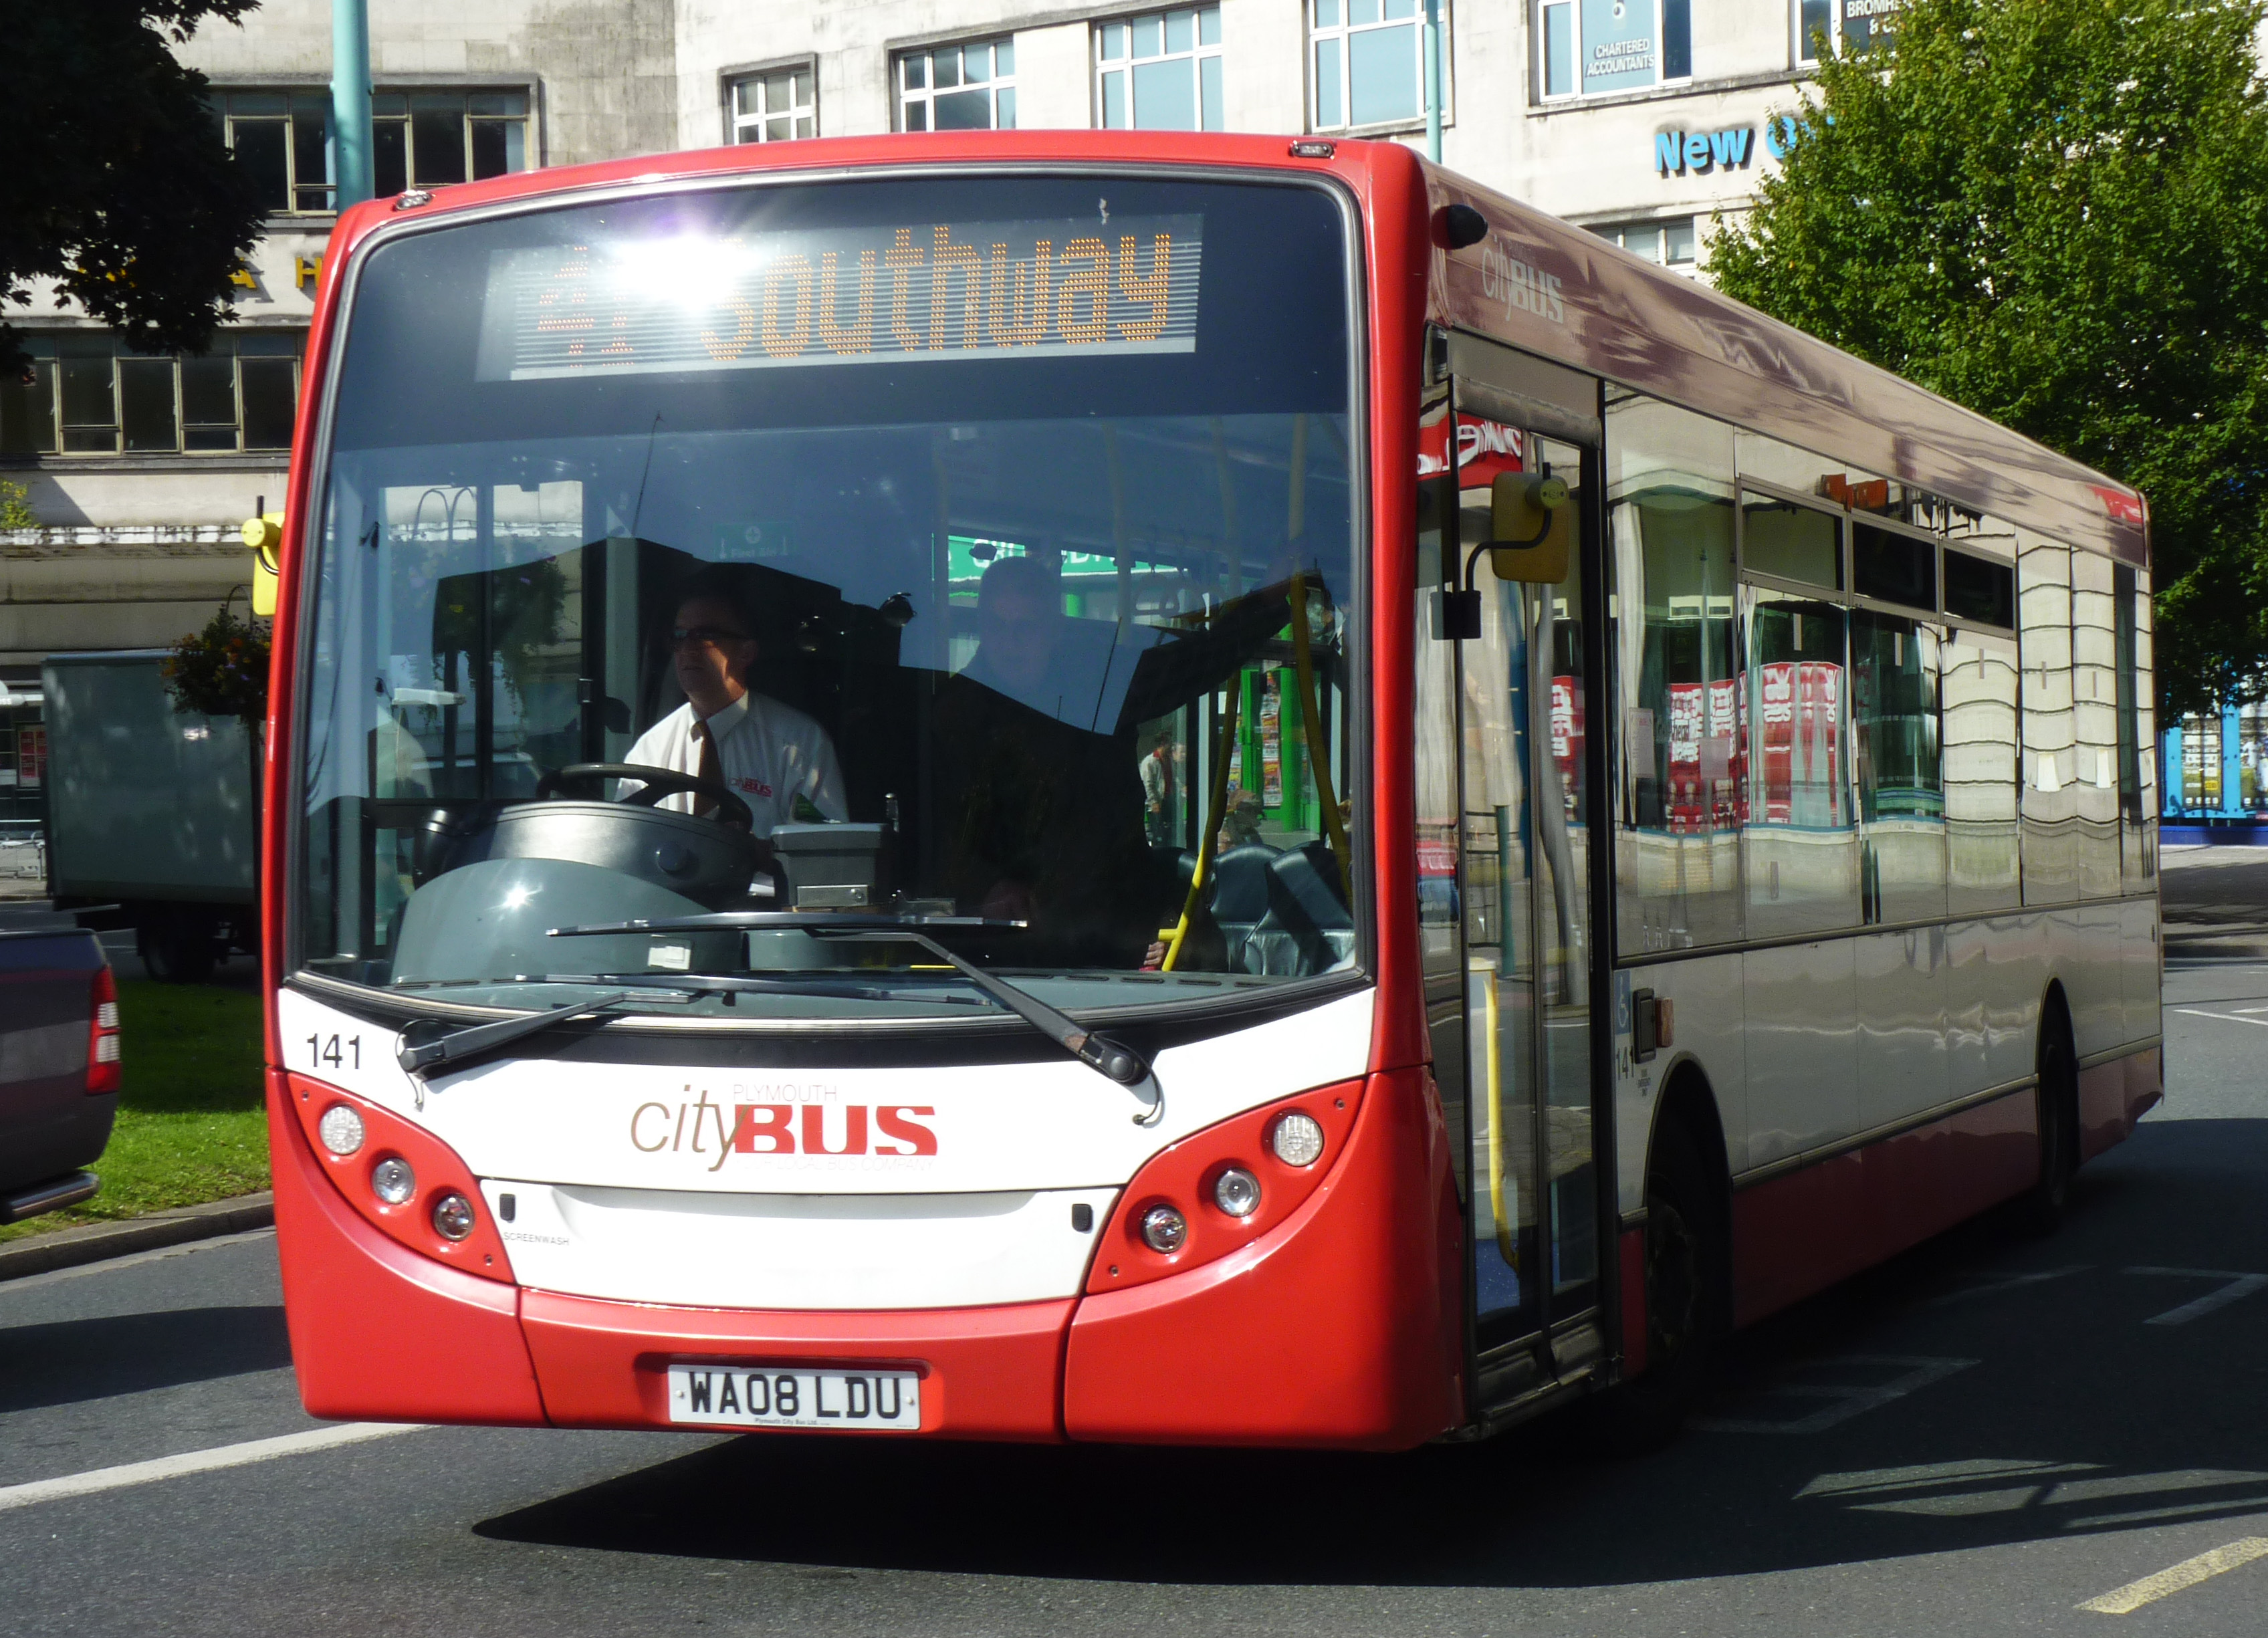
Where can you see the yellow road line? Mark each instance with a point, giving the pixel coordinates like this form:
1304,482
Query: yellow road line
2131,1596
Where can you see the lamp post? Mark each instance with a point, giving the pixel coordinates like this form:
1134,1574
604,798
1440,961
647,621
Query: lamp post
351,138
1433,80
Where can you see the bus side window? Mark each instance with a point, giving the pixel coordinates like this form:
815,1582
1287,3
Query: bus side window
1682,750
2050,753
1894,705
2095,723
2137,734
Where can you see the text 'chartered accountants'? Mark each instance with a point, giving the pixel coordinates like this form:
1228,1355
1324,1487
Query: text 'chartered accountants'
843,296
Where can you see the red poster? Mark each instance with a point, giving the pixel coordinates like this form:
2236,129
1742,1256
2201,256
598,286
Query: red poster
1776,710
1688,800
1819,743
1567,738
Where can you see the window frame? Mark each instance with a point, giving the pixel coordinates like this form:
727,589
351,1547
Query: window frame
222,98
46,352
405,93
1616,233
904,98
1799,56
731,80
1540,95
1311,32
1197,54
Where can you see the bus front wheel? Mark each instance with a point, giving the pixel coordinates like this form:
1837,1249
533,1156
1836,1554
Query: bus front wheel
1688,1258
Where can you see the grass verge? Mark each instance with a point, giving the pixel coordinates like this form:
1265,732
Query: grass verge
191,1127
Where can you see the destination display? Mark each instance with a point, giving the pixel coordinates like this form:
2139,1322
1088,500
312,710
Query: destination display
1092,287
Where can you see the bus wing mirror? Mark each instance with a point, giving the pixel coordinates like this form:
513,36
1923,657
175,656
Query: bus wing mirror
1531,524
264,535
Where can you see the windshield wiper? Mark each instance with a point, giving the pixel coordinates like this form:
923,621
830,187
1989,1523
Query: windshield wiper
1111,1059
478,1040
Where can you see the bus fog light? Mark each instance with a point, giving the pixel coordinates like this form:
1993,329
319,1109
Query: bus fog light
452,1216
1297,1138
340,1129
1164,1229
1237,1192
392,1182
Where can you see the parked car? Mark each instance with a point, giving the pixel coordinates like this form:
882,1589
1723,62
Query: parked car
153,814
59,1062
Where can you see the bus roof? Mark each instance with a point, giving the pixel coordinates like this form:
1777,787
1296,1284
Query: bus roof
1598,309
1540,284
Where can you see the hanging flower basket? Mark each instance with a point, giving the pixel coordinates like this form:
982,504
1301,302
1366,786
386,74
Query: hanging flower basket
223,670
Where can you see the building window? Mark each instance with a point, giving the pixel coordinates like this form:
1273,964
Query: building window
958,88
1368,69
88,394
282,138
1854,25
774,107
1668,243
1160,73
1590,47
428,139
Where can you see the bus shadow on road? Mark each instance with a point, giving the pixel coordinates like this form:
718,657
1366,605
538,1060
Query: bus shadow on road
1985,1389
65,1362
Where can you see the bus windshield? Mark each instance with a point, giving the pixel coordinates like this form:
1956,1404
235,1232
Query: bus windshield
960,547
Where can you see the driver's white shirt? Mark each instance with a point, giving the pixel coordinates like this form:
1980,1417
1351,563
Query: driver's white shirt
767,753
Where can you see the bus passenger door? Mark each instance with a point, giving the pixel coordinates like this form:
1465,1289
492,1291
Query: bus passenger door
1524,870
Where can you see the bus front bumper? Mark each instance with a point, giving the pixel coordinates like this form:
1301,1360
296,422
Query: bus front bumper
1330,1330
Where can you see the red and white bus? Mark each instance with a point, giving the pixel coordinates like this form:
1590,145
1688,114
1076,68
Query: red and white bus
1325,811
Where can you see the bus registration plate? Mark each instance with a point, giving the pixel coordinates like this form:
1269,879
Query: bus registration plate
774,1397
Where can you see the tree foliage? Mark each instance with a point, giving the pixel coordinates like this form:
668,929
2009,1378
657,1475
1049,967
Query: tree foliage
2056,212
116,183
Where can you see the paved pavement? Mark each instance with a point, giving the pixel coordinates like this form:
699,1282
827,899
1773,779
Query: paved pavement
1984,1437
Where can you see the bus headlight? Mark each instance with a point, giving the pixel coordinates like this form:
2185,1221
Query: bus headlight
1297,1138
340,1129
1237,1192
392,1182
452,1216
1164,1229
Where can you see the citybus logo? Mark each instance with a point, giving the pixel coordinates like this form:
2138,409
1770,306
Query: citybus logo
806,1129
1520,286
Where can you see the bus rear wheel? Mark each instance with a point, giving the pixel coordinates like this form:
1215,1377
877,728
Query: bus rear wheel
2044,1207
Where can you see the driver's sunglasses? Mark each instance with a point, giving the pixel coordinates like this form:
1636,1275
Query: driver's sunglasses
707,636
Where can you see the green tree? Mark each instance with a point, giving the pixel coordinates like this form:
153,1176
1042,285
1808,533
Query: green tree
115,182
2056,212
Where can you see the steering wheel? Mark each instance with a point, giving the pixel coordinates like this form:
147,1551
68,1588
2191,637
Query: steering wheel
656,782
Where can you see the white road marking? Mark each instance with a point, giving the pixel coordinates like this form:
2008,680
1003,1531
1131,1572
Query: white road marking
101,1479
2174,1578
2009,1283
1845,1401
33,1282
2225,1018
2237,1285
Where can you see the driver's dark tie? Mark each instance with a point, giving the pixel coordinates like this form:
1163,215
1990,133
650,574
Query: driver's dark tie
705,768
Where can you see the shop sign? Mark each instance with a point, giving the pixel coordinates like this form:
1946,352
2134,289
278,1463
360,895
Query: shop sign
1700,152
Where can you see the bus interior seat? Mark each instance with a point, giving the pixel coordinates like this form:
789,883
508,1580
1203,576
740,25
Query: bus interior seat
1240,895
1308,928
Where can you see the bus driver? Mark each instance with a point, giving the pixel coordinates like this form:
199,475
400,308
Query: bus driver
773,757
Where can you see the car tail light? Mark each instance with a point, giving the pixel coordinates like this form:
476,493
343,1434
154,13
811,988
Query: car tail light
102,1033
399,1177
1222,1187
